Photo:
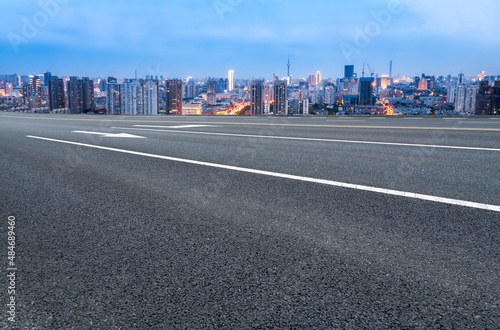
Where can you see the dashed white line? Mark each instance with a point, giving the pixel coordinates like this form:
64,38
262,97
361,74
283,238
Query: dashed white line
398,193
311,139
181,126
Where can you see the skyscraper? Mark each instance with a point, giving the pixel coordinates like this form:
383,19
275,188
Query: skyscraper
151,96
450,99
230,79
46,78
461,78
349,71
280,98
132,97
257,97
115,97
57,98
366,90
305,106
87,95
466,99
75,99
483,101
32,92
312,80
495,98
385,81
173,100
294,106
211,91
319,78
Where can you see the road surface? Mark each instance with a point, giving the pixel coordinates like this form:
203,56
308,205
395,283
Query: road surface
254,222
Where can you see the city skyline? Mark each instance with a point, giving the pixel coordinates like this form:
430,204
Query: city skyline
253,38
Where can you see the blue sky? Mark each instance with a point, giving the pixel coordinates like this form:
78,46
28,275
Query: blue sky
200,38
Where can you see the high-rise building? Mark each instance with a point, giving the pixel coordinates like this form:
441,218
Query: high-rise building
466,98
115,97
461,78
330,95
230,79
305,106
191,90
140,97
450,99
57,98
75,99
87,95
483,99
294,106
222,85
495,98
488,99
319,78
173,99
312,80
32,92
151,96
280,98
212,86
46,78
385,81
80,95
257,97
132,97
366,91
349,71
211,91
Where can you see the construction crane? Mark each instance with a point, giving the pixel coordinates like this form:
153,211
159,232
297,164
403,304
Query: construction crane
371,71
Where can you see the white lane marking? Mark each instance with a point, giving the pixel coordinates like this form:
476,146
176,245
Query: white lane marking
313,139
112,135
398,193
182,126
347,119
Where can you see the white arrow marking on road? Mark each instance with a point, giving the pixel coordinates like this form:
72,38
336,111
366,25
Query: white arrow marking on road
113,135
182,126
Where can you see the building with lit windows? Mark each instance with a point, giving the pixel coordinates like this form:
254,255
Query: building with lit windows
57,95
366,91
173,97
294,106
280,98
488,99
257,97
115,97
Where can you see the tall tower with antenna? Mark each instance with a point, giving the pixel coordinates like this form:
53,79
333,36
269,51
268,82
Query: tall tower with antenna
288,65
390,71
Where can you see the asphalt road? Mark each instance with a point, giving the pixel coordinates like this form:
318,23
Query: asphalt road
229,222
